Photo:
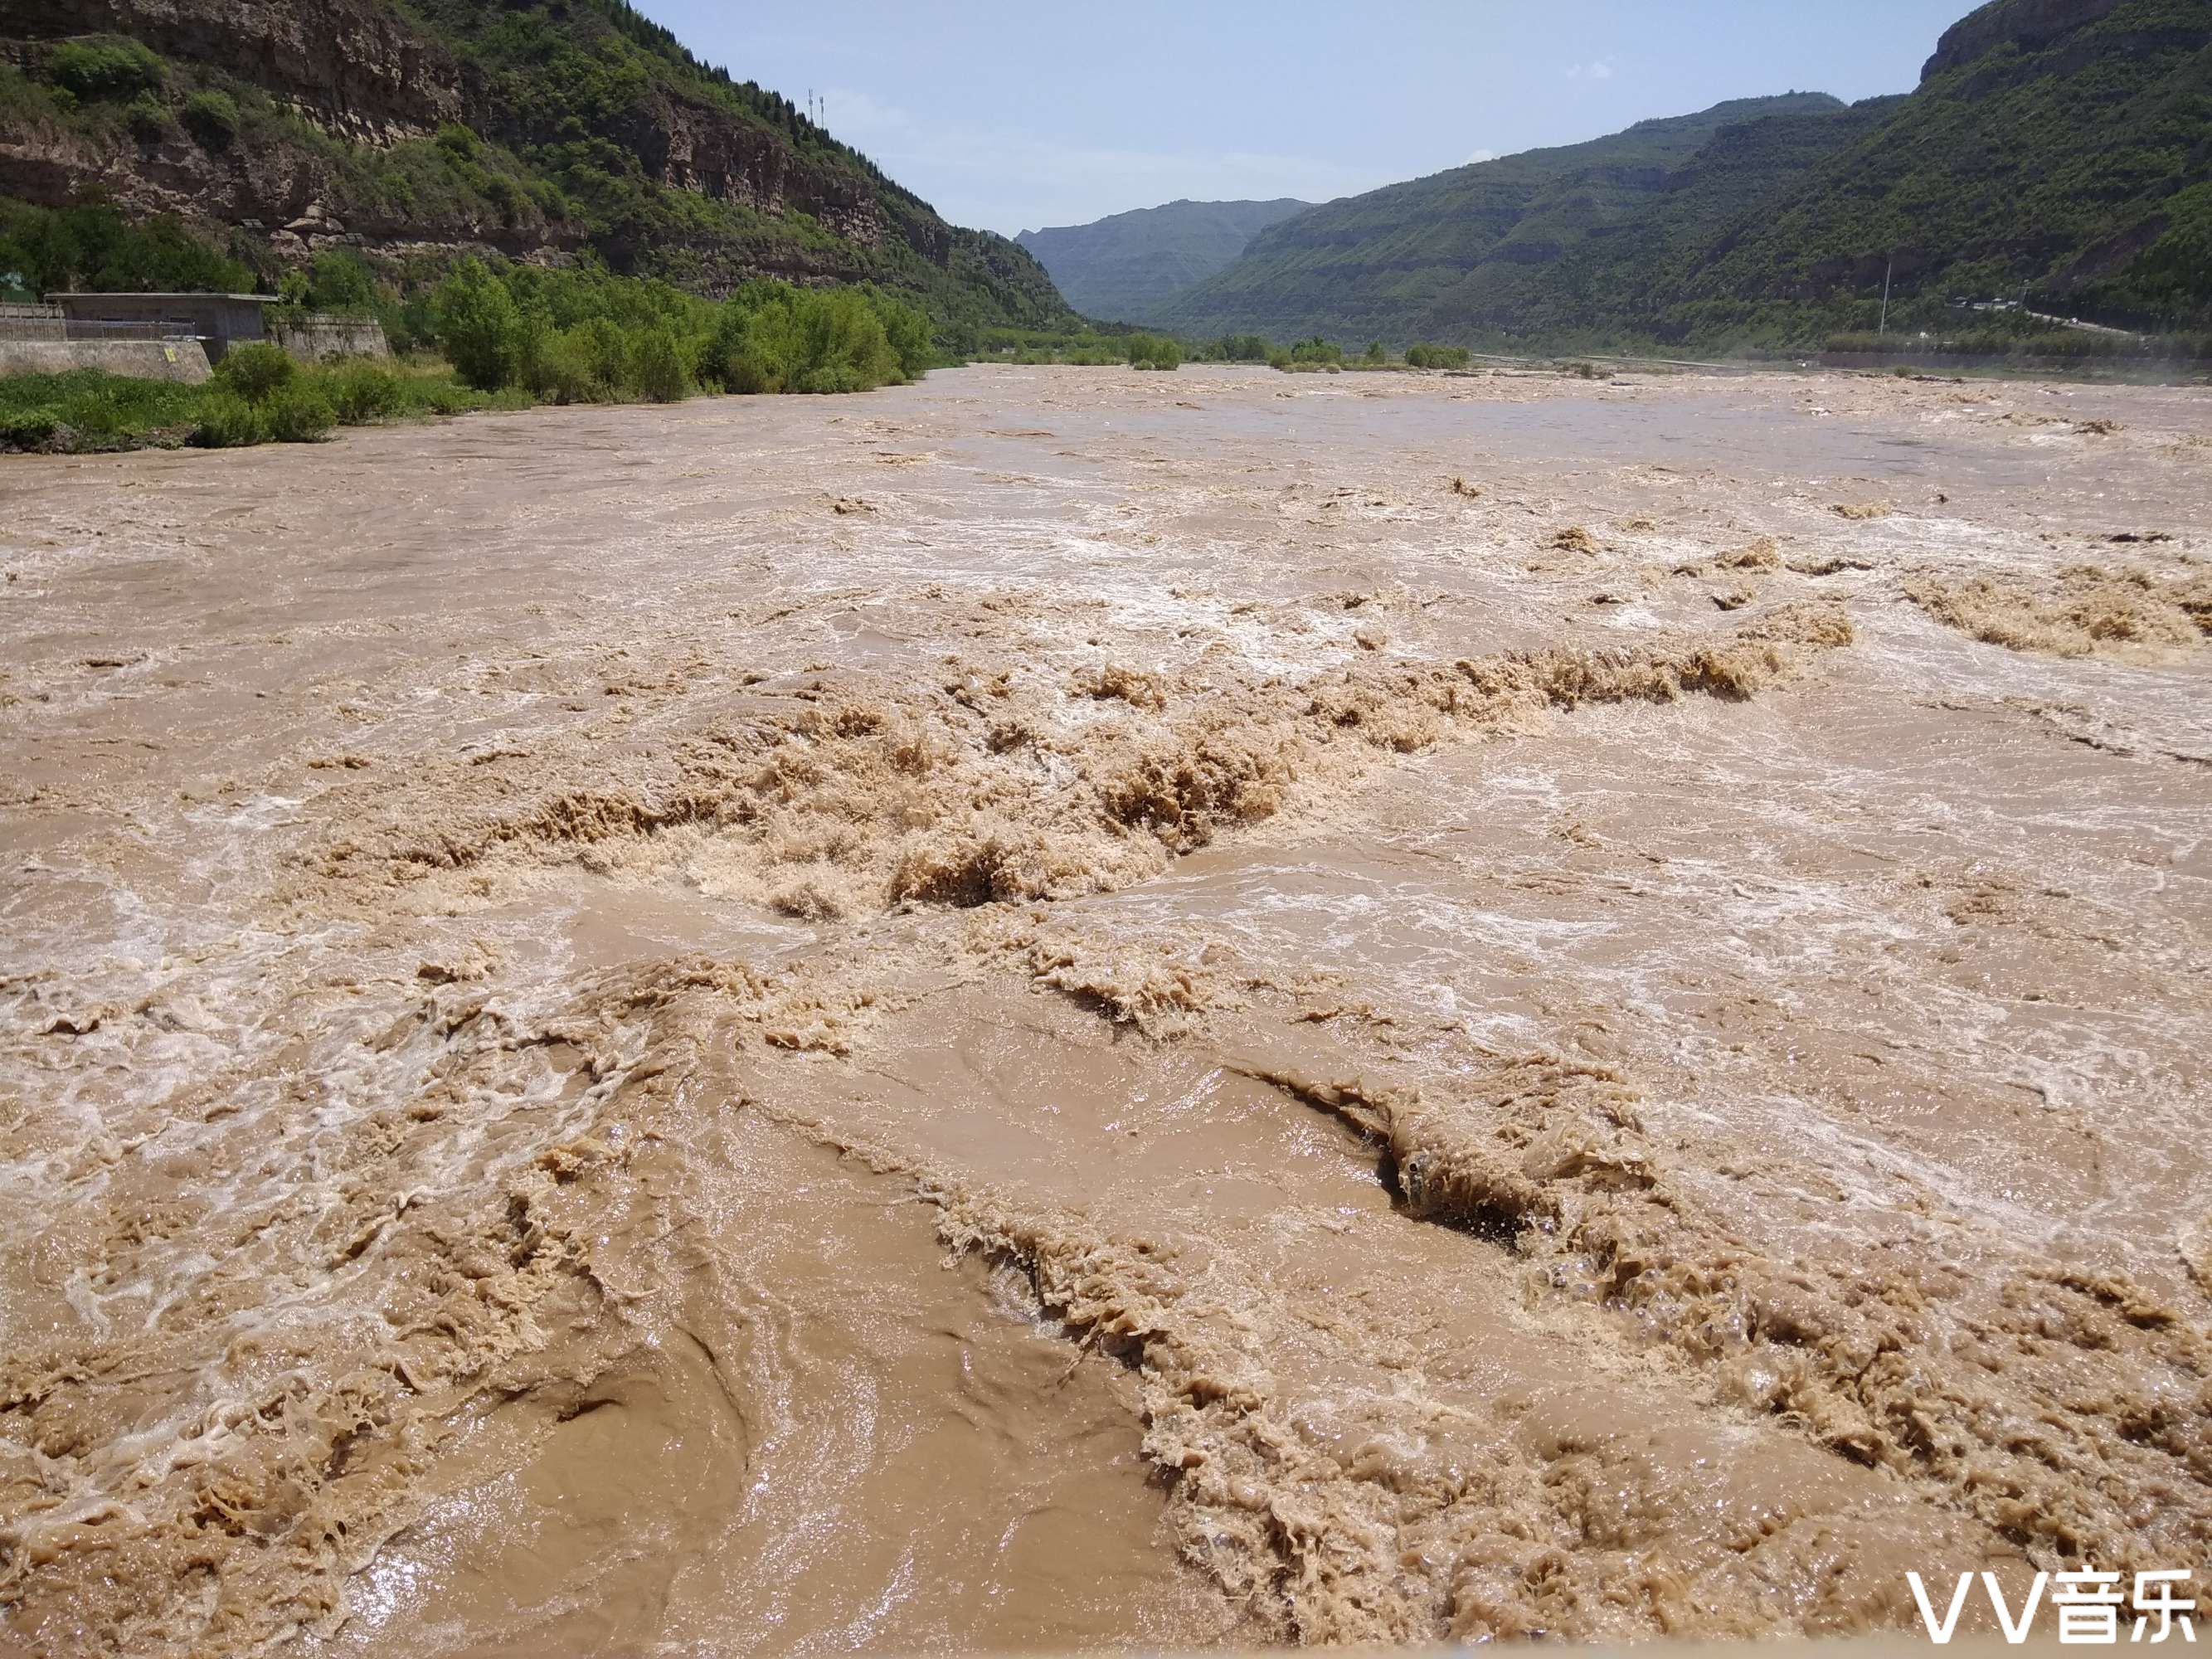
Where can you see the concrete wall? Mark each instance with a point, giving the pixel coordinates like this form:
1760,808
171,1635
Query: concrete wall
148,359
318,336
221,320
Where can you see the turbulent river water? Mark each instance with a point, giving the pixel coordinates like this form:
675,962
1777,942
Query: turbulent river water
1068,1008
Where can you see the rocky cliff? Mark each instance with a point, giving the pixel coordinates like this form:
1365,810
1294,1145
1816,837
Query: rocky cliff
532,129
2030,24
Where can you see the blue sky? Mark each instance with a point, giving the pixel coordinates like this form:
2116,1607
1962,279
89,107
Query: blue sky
1014,116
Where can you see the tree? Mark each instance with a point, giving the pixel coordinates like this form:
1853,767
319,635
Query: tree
479,327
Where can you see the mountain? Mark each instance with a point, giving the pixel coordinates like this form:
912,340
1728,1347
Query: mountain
406,128
1422,259
2062,146
1126,268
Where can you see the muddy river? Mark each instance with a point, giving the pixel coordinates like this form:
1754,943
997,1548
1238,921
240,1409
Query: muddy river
1069,1008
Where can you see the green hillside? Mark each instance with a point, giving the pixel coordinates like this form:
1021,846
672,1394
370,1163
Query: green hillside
413,130
1383,263
1128,267
2065,147
1637,278
2059,148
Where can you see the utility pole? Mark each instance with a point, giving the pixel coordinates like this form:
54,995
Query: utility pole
1886,276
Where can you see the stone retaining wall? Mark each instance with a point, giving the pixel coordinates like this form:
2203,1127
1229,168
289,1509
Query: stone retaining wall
148,360
313,337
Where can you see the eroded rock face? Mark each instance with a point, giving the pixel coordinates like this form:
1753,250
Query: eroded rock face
351,64
2033,23
361,71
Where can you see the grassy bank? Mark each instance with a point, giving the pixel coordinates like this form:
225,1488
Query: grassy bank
88,411
505,337
2037,346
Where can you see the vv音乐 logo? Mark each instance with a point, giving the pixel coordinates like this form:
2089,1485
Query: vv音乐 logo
2090,1605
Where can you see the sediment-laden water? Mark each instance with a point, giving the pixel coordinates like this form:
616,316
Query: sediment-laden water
1066,1008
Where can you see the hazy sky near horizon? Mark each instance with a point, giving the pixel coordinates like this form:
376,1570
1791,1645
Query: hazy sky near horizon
1014,117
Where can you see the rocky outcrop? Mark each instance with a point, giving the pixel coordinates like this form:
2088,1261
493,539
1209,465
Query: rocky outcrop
2033,24
376,76
353,65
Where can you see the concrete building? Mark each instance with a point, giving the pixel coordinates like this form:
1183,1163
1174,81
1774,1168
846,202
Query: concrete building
217,321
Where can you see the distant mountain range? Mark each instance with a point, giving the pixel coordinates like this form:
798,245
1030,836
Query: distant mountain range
1128,267
2060,146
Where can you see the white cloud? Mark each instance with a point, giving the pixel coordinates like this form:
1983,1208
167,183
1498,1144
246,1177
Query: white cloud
1482,155
1597,69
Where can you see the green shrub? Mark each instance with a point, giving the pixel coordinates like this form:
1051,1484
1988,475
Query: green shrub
94,246
772,338
108,67
444,397
559,368
1154,352
361,392
300,415
147,118
339,280
28,430
907,331
87,409
256,372
1438,356
657,360
228,421
212,119
478,326
606,354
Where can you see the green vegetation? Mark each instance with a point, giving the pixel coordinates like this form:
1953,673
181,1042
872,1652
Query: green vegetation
1153,351
582,127
2072,162
212,119
1418,355
588,335
1424,257
2055,152
94,247
571,85
256,372
107,66
2034,343
87,409
1238,349
511,336
148,118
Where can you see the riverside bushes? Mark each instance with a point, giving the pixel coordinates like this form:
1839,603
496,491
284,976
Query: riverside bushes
87,409
1418,355
510,337
1154,352
587,335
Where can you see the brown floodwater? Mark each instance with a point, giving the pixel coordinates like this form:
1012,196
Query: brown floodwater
1060,1009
